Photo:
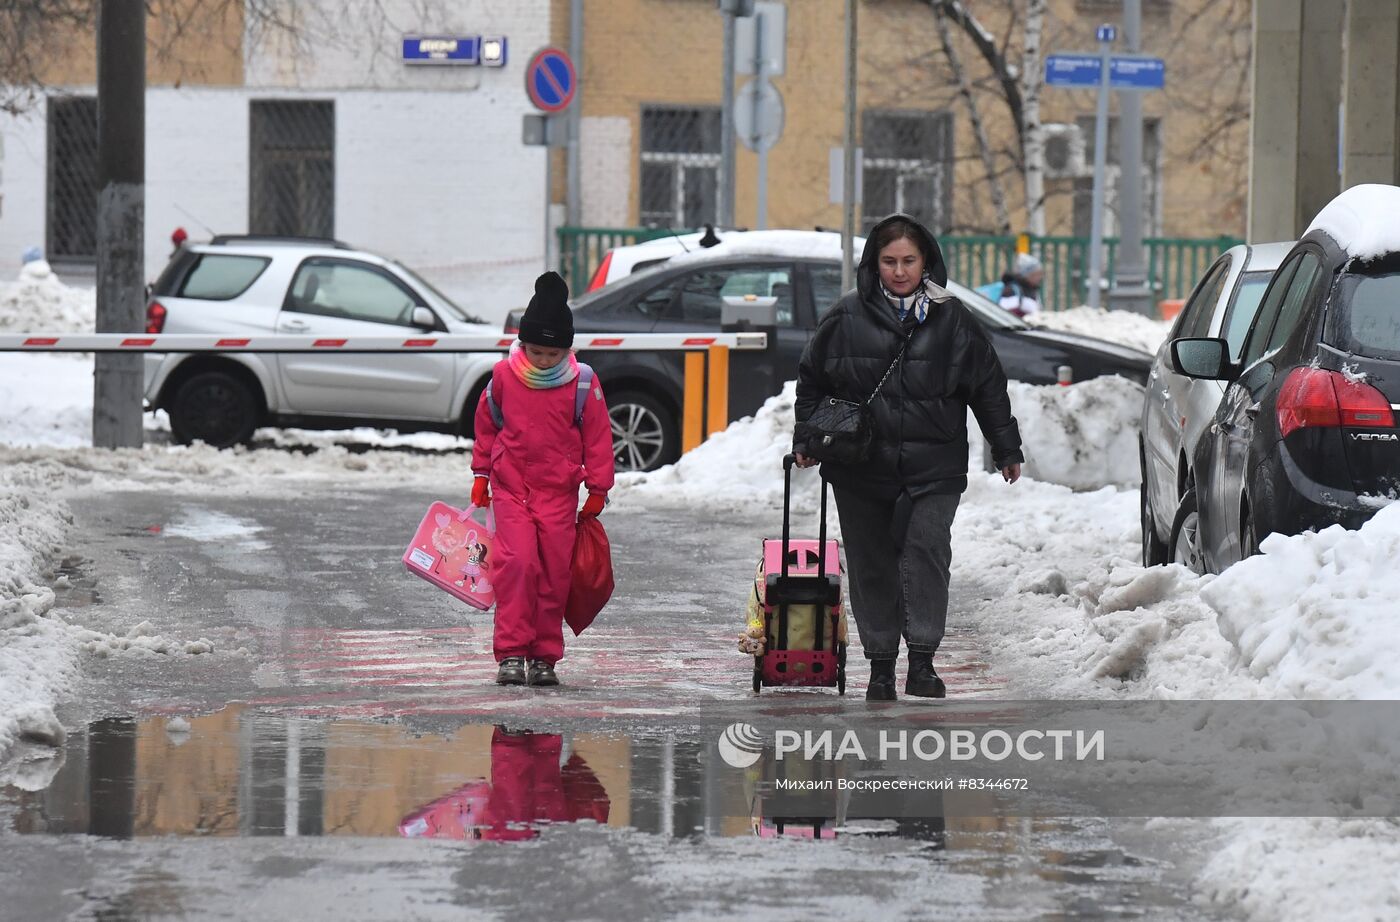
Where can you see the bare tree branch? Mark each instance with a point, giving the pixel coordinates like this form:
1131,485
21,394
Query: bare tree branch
979,132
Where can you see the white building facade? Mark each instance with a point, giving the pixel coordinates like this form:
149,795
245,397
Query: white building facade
330,134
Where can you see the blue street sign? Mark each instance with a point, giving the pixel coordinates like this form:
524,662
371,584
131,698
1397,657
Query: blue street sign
1107,34
1137,73
1072,70
550,80
1126,72
442,49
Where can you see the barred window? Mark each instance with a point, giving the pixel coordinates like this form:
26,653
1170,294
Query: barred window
908,166
680,166
72,177
292,164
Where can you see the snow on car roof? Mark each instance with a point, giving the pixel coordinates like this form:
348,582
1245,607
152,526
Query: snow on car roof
793,244
1364,220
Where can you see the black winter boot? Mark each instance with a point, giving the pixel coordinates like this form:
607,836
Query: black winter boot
881,687
542,673
923,682
512,671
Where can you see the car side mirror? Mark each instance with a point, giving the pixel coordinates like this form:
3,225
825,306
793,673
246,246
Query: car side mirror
1207,359
425,318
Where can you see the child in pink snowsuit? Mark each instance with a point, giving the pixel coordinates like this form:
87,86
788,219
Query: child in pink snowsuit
531,454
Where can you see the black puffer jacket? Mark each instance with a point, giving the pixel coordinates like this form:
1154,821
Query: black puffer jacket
920,416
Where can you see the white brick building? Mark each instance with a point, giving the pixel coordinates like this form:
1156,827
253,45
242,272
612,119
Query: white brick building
420,163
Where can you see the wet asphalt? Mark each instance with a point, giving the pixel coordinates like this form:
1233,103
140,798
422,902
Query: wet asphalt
342,752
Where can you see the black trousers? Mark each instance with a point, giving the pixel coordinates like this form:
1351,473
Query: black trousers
898,590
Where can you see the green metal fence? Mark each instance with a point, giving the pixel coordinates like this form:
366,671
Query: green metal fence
1174,264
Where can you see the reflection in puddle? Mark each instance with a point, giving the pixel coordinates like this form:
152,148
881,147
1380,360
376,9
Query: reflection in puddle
73,584
245,772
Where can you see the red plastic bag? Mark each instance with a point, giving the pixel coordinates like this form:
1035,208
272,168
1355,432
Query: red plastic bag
592,584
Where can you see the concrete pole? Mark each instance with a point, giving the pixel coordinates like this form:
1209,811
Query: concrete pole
121,175
726,129
760,81
1371,58
848,177
574,208
1274,123
1130,291
1100,168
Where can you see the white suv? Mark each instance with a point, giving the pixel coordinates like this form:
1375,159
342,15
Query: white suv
251,285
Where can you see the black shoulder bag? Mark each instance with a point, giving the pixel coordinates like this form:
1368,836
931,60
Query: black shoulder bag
841,431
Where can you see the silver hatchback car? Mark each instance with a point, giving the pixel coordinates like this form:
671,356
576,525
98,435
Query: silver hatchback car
249,285
1176,409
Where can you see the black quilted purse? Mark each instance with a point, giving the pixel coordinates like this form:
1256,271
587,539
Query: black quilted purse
840,430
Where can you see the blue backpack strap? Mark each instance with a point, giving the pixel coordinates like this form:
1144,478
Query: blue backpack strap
585,384
496,416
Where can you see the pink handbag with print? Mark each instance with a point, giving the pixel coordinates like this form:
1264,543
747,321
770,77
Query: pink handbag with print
452,550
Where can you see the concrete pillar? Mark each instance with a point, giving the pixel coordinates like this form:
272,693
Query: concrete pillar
1319,95
1371,59
1274,127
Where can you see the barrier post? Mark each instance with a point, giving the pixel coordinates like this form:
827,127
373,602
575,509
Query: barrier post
718,390
693,411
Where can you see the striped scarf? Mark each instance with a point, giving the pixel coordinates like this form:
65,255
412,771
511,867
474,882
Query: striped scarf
537,378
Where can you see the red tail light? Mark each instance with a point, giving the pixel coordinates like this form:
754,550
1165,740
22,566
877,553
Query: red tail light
155,317
600,277
1315,397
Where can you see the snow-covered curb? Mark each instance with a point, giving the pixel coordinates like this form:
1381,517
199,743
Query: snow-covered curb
1123,327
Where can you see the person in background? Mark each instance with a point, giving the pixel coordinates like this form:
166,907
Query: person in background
1019,290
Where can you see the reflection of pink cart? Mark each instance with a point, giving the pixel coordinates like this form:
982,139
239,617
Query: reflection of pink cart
452,550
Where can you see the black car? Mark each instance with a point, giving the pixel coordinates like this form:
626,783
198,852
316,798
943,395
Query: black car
644,389
1305,434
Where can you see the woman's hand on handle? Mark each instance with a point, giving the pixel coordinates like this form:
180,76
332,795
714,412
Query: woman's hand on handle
1011,473
804,461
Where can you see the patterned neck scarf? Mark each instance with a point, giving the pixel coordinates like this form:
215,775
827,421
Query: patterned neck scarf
541,378
916,301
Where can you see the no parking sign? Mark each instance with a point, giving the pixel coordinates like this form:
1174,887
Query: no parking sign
550,80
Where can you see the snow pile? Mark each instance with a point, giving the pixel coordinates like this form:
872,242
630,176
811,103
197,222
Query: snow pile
140,639
1318,615
39,303
37,656
1124,327
1362,220
47,399
1083,436
738,468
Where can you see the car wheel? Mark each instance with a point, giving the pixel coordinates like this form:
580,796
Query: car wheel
1185,544
215,408
1154,549
645,434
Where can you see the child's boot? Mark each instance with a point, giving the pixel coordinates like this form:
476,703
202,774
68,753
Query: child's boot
511,671
542,673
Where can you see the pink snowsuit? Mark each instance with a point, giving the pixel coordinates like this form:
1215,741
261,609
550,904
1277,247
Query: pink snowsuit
536,461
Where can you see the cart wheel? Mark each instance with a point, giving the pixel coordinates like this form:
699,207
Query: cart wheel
757,674
841,670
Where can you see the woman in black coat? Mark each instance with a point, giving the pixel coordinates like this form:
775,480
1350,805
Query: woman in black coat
897,506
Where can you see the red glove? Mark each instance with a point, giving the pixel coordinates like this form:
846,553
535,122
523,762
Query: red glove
593,505
481,493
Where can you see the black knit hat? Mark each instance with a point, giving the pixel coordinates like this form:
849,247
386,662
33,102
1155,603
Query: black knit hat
548,320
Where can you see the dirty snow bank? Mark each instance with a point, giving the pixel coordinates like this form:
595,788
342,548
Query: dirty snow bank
1083,436
38,659
37,302
1125,327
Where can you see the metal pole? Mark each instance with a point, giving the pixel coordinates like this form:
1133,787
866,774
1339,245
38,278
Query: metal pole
574,208
548,194
848,178
760,81
1100,162
1130,291
726,129
121,174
